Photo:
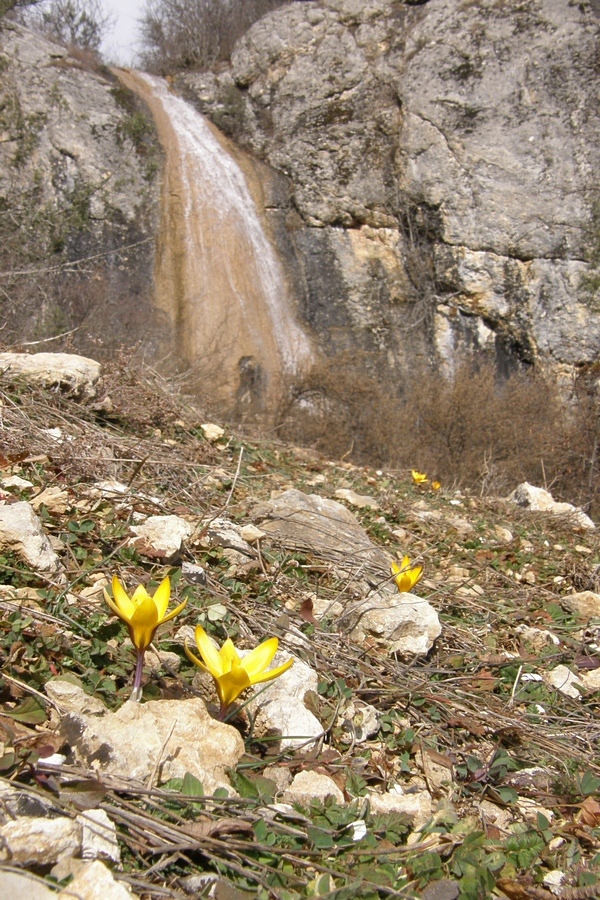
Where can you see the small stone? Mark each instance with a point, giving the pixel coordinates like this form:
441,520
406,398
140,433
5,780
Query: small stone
585,604
15,481
417,806
212,432
98,836
564,681
54,499
503,535
361,501
251,534
279,710
308,786
495,815
32,841
23,886
22,533
161,536
91,881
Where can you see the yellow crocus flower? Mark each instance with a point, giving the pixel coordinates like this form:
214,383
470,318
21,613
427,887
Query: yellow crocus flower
418,477
436,485
405,575
232,673
142,614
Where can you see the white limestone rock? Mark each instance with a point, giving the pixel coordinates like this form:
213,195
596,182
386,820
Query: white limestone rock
212,432
308,786
54,499
565,681
161,536
91,881
98,836
29,841
361,501
74,375
279,709
22,533
23,886
155,741
585,604
402,623
417,806
537,499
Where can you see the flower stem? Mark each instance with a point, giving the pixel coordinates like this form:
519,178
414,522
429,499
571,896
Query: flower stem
136,694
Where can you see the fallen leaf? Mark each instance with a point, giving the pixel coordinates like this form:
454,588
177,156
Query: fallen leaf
306,611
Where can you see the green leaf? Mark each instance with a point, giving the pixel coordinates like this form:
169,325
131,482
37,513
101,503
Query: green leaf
191,786
320,839
507,794
29,712
589,784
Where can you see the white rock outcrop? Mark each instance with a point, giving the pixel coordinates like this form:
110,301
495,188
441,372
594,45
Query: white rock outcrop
161,536
539,500
154,741
75,375
279,711
22,533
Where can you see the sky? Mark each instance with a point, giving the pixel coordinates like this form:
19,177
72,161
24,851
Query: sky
120,46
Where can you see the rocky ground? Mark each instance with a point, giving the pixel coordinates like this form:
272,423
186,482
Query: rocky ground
436,744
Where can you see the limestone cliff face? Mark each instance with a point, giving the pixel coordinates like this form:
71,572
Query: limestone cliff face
78,201
441,166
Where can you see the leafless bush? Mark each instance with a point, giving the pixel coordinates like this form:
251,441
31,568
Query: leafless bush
184,34
74,23
474,429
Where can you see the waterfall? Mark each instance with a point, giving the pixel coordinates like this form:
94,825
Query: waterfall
217,276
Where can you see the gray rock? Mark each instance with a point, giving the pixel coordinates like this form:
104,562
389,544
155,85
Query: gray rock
79,180
424,173
21,532
299,521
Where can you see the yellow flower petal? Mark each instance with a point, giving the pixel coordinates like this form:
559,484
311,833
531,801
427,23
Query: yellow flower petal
273,673
209,652
231,684
173,613
193,658
161,597
143,623
229,656
122,601
260,658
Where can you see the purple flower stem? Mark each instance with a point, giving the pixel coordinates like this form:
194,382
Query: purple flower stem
136,694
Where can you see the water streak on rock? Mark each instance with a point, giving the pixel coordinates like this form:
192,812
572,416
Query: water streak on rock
217,275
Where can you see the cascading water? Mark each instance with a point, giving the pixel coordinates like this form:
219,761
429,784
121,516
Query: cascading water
217,275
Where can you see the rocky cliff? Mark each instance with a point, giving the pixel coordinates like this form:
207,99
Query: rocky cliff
78,200
428,171
441,162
